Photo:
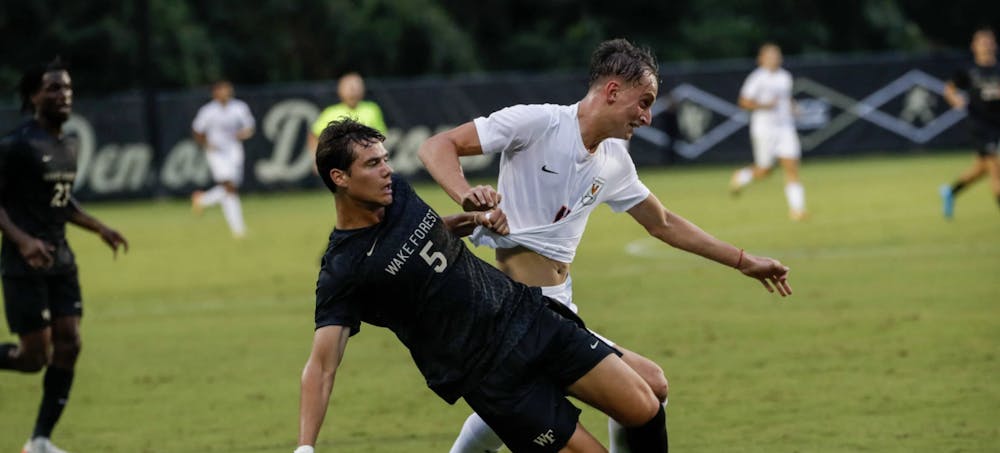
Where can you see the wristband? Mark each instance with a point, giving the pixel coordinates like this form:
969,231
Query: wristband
739,261
304,449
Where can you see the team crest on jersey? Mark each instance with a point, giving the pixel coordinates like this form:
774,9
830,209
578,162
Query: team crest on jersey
593,190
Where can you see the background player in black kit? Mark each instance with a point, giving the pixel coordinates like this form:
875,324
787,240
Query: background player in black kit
981,83
40,287
472,331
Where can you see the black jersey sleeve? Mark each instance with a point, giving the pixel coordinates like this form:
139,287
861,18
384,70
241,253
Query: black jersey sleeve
337,301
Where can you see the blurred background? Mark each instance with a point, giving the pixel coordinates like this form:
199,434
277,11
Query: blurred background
868,73
194,341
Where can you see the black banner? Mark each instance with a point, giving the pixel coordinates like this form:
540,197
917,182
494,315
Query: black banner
847,106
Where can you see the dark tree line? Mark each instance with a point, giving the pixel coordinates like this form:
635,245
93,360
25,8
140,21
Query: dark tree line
194,42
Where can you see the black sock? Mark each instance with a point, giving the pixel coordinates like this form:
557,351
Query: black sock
651,437
54,396
957,187
6,362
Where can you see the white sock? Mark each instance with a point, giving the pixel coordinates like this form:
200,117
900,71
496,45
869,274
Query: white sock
476,437
796,196
213,196
744,176
616,437
233,213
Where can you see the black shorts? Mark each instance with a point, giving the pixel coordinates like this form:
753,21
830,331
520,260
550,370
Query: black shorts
32,301
524,399
986,139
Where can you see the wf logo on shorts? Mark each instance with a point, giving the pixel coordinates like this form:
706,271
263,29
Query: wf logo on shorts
546,438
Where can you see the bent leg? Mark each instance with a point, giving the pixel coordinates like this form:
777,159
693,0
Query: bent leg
617,390
969,176
582,442
30,355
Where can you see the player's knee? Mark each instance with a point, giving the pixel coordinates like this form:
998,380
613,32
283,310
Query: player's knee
655,378
657,382
67,349
34,360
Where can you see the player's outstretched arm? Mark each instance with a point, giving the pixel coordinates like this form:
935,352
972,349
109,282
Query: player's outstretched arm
465,223
328,347
440,155
82,219
679,232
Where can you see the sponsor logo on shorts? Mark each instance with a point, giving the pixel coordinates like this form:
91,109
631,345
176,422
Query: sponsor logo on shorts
546,438
594,346
46,314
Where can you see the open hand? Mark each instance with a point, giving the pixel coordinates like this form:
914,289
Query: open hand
771,273
114,239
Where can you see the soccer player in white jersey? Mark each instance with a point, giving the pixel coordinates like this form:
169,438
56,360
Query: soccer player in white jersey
767,93
557,163
220,128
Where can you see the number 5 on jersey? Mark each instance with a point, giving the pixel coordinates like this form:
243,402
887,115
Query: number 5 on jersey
432,258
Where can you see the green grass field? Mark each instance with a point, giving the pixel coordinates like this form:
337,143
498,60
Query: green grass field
194,342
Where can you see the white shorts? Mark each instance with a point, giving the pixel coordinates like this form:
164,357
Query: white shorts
771,144
226,164
564,295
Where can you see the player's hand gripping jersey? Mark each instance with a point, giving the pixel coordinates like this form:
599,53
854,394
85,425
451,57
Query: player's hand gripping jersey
458,315
37,172
549,181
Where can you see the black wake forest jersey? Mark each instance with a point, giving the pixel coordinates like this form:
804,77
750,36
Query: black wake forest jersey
36,180
982,83
458,315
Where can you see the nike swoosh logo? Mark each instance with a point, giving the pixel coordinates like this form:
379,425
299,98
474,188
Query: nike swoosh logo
594,346
545,168
46,158
373,248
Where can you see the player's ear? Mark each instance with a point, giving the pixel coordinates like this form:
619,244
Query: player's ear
611,90
339,177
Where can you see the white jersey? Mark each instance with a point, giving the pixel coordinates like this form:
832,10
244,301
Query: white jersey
221,123
550,183
765,87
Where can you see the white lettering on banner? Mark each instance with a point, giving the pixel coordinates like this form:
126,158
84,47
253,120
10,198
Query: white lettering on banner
128,167
87,141
185,164
112,168
286,124
404,144
121,168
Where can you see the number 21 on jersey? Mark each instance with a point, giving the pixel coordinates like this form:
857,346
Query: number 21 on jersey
61,192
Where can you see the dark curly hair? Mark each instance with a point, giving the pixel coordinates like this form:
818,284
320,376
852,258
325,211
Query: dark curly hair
335,147
620,58
31,81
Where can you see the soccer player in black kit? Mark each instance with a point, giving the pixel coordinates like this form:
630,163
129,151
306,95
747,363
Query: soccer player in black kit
41,291
474,333
981,83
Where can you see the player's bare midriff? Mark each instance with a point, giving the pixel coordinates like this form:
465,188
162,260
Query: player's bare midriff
531,268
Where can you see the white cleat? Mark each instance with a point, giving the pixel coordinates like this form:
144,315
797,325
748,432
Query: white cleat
41,445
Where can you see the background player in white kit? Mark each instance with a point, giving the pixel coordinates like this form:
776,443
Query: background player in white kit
557,163
220,128
767,93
